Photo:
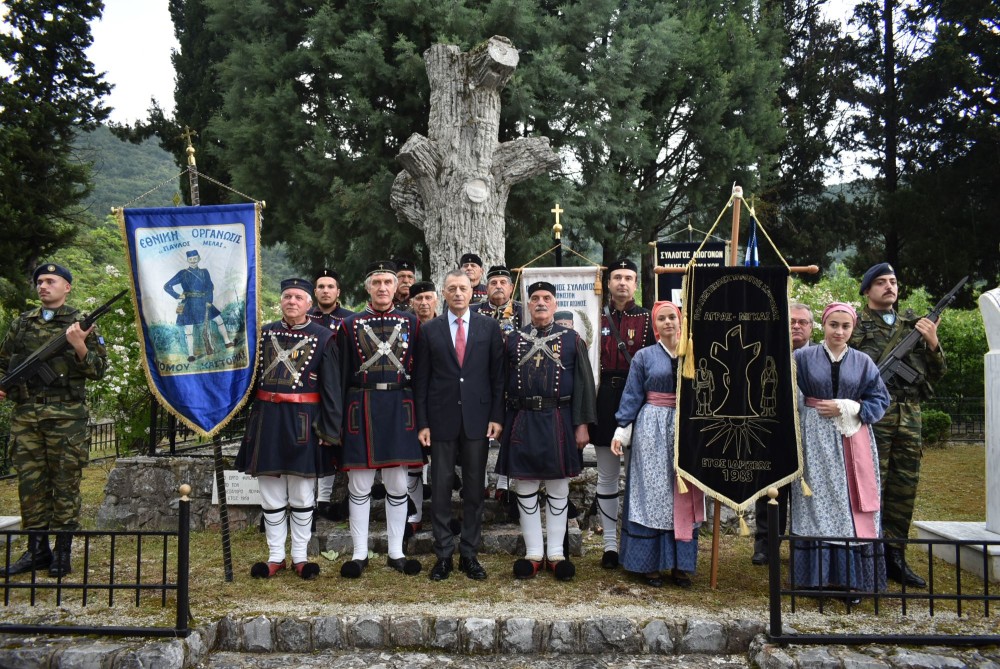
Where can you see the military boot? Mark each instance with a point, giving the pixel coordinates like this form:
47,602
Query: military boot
897,570
61,563
38,556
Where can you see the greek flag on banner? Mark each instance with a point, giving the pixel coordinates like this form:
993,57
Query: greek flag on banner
195,281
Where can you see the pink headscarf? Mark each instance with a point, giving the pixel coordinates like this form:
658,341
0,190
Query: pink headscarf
839,306
664,304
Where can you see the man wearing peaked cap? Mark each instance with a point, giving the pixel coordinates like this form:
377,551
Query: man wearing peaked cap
472,265
499,303
196,305
377,347
327,310
298,378
405,276
550,402
49,420
423,299
625,328
897,435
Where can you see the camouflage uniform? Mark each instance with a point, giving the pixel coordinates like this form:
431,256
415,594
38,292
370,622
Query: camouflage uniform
897,435
50,439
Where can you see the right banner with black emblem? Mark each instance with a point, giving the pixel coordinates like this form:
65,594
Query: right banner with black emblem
737,424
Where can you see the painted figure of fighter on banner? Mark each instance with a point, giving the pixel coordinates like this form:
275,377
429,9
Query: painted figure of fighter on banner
737,429
194,273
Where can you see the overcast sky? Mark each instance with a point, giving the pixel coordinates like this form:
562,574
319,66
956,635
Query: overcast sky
132,44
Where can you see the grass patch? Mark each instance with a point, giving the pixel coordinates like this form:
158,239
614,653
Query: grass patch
951,488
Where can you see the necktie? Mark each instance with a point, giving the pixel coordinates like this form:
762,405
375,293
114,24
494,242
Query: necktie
460,342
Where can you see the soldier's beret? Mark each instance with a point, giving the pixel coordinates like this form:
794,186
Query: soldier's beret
470,257
541,285
874,272
405,266
328,273
421,287
624,263
381,267
52,268
498,270
563,316
301,284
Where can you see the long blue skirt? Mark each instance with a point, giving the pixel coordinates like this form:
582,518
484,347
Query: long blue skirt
646,549
837,566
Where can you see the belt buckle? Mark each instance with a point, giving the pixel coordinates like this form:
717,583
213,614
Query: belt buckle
536,402
381,386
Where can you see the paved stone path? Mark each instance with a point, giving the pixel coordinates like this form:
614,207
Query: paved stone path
345,660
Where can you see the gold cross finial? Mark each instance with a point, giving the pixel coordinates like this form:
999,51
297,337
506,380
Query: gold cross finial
188,134
557,228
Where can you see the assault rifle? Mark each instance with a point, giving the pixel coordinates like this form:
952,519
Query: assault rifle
893,364
36,363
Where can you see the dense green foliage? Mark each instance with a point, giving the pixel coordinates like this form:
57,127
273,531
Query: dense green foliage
123,172
926,115
935,426
50,95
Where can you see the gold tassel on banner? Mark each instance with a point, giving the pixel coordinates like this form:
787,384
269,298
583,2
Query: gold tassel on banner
681,485
687,371
744,528
598,288
806,490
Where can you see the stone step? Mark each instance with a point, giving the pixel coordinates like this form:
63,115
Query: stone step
8,523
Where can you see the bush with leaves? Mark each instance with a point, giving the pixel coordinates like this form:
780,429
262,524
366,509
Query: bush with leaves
936,427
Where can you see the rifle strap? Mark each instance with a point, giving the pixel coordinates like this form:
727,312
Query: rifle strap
617,334
900,332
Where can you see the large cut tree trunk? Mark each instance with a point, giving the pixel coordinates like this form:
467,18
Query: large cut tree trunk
455,183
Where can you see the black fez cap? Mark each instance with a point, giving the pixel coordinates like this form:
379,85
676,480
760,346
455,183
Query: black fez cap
874,272
381,267
498,270
405,266
623,263
421,287
563,316
470,257
52,268
541,285
328,273
301,284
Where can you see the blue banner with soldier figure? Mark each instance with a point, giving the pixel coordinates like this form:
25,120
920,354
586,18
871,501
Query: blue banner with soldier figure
195,282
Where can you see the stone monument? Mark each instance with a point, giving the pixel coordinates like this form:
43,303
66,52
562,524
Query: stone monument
456,180
972,556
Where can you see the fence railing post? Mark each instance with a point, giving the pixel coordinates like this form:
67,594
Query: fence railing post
183,558
773,563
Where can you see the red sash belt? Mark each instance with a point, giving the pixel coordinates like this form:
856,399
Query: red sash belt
294,398
661,399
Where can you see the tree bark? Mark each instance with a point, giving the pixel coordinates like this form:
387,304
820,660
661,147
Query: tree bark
456,182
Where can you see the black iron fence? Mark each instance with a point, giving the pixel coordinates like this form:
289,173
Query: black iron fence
956,591
109,564
968,416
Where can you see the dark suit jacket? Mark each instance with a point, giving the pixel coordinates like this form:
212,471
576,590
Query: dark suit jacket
452,399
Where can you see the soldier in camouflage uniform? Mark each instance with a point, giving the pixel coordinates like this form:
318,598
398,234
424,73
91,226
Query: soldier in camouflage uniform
897,435
50,444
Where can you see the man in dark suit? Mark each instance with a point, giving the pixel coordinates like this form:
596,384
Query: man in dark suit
459,386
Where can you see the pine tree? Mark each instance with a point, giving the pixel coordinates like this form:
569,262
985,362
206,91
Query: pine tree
51,94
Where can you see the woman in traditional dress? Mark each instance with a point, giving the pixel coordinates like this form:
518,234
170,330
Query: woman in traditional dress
844,396
659,524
